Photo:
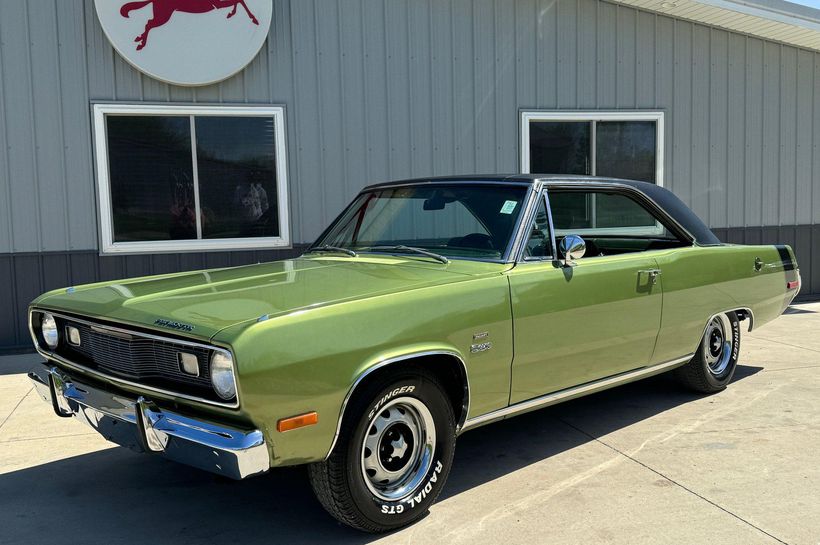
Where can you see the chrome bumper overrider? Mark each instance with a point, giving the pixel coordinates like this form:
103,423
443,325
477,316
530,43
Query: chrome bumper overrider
142,426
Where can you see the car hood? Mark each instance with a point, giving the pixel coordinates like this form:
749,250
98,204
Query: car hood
212,300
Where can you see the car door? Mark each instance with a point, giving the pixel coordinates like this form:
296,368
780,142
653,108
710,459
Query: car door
598,318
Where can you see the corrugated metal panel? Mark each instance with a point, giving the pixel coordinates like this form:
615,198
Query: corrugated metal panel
377,90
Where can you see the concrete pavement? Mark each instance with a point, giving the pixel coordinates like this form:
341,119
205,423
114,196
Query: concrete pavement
645,463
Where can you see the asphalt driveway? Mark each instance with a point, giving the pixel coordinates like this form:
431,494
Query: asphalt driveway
644,463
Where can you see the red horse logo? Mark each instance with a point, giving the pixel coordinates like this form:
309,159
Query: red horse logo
163,9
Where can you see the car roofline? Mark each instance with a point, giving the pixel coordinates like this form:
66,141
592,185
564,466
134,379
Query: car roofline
504,179
664,200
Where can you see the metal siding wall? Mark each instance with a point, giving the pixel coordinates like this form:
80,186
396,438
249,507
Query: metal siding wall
379,90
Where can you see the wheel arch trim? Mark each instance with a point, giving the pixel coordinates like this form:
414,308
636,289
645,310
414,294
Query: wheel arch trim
747,310
403,359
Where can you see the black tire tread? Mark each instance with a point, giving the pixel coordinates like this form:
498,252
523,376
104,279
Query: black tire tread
691,376
328,483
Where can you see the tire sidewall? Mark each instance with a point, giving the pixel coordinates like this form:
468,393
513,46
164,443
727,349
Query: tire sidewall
413,506
726,377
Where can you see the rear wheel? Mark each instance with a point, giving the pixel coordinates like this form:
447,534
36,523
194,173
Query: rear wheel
394,452
714,363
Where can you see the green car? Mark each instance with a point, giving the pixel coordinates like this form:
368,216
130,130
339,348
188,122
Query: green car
428,308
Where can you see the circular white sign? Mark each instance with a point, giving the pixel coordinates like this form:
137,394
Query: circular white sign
186,42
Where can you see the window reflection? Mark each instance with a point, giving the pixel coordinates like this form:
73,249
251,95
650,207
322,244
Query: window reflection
151,175
558,147
237,176
626,149
580,210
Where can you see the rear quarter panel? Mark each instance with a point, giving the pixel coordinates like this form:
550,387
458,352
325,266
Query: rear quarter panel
308,360
699,282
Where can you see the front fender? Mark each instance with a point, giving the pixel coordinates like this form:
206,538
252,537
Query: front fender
312,360
397,357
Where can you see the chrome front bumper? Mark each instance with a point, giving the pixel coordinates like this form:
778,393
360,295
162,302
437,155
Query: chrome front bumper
142,426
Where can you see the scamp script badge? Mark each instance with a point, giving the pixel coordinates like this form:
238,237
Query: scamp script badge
186,42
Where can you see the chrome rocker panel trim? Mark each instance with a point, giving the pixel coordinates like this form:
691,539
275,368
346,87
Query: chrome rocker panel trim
141,425
569,393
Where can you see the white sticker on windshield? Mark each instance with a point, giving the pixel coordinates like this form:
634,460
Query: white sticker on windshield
508,207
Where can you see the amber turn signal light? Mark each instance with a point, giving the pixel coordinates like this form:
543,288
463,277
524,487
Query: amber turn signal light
298,421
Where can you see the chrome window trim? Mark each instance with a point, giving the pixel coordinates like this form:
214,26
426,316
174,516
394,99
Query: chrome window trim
55,357
525,220
562,395
552,226
540,194
502,181
384,363
654,207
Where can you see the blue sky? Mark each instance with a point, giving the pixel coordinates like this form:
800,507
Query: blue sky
810,3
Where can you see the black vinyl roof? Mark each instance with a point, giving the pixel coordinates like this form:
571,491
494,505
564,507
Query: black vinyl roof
664,198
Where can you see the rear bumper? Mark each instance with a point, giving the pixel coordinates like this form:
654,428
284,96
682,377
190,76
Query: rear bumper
142,426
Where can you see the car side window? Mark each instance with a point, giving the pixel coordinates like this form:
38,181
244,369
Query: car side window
609,222
539,243
597,211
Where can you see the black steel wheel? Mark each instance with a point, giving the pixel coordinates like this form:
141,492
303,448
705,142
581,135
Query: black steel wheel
714,363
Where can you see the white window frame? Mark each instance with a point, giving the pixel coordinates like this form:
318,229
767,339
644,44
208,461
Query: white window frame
105,209
593,116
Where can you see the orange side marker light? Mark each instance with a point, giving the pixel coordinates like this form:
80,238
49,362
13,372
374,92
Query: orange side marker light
298,421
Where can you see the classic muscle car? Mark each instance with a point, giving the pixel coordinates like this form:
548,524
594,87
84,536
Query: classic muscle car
428,307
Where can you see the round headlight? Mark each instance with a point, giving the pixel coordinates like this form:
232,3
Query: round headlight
48,327
222,375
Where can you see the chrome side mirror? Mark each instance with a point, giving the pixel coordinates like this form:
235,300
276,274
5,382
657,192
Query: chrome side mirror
572,247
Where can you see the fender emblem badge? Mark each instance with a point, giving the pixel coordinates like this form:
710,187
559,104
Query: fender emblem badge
481,347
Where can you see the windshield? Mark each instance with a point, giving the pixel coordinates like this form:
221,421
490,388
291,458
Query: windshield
451,220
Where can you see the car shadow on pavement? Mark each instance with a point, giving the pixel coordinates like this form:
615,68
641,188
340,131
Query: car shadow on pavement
116,496
19,363
501,448
797,310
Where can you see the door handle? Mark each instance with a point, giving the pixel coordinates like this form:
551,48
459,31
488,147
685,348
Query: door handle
653,275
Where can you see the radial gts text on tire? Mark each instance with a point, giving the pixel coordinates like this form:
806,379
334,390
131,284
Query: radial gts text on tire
715,360
393,455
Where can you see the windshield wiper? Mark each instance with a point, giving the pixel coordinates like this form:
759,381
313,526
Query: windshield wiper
412,250
327,248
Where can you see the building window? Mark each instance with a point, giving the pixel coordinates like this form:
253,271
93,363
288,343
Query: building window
190,178
620,144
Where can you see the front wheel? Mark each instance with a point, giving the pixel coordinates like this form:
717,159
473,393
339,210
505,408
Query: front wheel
393,456
714,363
